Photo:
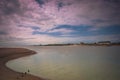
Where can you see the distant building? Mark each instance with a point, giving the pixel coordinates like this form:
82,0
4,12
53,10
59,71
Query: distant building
104,42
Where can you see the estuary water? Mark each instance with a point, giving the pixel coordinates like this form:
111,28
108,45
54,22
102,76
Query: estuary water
71,62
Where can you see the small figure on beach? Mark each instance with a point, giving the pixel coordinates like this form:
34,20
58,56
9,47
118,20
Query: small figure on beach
28,70
25,73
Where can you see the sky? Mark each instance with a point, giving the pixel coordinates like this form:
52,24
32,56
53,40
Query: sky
32,22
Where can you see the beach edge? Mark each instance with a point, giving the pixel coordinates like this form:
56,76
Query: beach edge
7,54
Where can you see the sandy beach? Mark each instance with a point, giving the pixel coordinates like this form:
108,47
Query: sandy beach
7,54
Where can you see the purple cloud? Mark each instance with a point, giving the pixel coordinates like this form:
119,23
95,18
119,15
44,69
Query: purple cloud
48,14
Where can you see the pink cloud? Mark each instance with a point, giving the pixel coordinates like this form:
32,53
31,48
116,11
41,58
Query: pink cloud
48,17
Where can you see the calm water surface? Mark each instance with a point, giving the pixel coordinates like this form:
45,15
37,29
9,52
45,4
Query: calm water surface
71,62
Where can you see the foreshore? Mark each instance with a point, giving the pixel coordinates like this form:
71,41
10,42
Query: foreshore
7,54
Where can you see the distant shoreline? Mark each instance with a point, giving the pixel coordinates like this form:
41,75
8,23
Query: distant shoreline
7,54
80,45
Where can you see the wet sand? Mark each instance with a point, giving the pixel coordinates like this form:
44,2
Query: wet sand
7,54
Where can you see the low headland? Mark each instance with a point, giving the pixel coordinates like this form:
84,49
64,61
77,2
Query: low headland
7,54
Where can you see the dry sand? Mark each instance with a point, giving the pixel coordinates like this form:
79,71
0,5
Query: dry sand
7,54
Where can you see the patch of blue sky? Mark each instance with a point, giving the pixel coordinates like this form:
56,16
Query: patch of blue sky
57,34
76,28
114,29
82,30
